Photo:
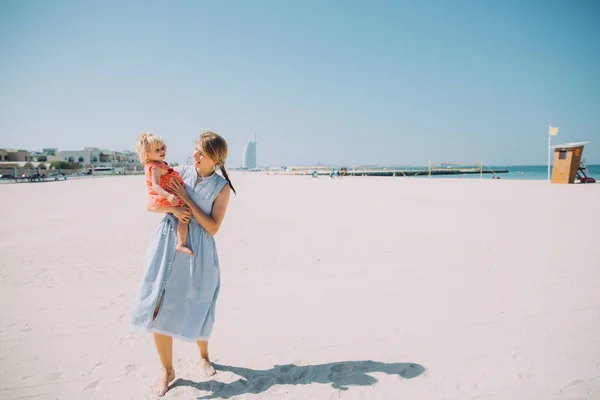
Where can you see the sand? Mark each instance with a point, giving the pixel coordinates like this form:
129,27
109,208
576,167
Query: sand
361,288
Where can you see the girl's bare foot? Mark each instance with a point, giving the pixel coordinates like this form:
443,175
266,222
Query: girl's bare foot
163,383
185,250
207,367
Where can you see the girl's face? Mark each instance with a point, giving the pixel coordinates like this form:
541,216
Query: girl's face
158,153
201,160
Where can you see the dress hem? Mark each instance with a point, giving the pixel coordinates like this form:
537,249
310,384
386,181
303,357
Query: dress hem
173,335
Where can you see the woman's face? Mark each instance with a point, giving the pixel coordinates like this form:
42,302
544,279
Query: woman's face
201,160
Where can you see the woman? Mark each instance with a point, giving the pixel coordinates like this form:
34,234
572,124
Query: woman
178,293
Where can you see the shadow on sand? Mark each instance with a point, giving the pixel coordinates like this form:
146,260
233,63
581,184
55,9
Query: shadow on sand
340,374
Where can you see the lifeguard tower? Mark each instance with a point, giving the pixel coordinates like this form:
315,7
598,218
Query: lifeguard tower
567,159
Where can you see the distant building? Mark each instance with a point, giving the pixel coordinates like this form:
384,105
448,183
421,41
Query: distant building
51,151
19,161
93,156
47,155
14,155
249,156
87,156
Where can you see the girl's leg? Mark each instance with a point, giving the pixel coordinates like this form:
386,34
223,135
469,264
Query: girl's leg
205,363
164,347
182,231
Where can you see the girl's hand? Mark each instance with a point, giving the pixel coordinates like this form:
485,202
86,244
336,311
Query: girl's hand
183,214
179,191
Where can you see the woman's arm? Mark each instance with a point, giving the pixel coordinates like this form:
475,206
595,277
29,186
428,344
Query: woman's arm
211,223
182,213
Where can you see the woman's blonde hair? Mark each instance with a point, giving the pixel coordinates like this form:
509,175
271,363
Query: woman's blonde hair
147,142
215,147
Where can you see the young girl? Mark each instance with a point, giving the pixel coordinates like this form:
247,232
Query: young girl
152,152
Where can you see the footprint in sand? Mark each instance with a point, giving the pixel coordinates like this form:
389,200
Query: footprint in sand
107,306
130,369
574,383
336,395
301,374
472,386
54,376
524,376
261,383
91,386
285,377
341,368
100,364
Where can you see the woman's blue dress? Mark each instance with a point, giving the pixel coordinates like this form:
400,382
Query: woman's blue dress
189,286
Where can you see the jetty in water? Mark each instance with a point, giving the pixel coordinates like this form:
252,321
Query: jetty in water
413,172
433,169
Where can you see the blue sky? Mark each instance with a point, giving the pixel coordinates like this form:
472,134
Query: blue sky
318,81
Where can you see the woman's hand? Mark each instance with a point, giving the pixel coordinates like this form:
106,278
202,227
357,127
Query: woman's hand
173,199
183,214
179,191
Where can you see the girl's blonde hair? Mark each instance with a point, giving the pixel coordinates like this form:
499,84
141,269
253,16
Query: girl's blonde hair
147,142
215,147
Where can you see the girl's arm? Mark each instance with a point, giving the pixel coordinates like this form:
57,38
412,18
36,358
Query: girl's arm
183,214
211,223
157,172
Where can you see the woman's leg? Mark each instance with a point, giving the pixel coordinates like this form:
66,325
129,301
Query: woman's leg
205,363
164,347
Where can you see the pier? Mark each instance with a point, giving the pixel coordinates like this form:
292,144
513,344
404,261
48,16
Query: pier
417,172
433,169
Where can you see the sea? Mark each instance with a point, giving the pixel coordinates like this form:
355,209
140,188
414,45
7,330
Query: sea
523,172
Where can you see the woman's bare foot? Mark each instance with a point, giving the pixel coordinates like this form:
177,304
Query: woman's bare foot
207,367
185,250
163,383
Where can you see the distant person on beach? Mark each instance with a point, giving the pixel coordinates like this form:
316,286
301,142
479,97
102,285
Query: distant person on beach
178,294
152,151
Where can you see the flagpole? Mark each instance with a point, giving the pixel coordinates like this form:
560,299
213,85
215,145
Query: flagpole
549,147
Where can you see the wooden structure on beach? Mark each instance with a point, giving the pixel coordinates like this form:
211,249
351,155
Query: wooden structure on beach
566,161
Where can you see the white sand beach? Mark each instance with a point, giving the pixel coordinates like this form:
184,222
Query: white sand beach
360,288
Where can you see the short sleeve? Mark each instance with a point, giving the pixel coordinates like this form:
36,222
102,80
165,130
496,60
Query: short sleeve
151,166
220,184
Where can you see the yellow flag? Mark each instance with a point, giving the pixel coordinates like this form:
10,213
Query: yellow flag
553,131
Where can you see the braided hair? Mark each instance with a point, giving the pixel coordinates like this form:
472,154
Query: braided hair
215,147
224,172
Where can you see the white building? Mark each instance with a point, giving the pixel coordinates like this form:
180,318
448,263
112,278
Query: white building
87,156
249,157
121,161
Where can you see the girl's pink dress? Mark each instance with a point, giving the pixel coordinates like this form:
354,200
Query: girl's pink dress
155,199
